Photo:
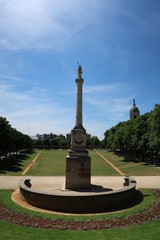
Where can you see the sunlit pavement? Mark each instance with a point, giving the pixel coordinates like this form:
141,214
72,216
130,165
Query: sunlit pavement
12,182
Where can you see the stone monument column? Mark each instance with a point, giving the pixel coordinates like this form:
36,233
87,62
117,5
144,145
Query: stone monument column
78,163
79,83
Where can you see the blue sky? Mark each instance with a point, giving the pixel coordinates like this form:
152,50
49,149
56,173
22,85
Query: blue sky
117,43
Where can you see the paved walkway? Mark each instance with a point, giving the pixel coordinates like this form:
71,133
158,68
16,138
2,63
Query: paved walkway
12,182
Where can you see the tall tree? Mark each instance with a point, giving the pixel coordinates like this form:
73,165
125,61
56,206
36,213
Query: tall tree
6,136
137,138
95,142
154,140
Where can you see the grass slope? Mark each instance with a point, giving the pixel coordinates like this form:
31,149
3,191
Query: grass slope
53,163
49,163
13,232
16,165
131,168
99,167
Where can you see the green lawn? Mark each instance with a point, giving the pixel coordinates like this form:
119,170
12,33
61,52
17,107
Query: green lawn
16,165
13,232
129,167
99,167
147,231
49,163
53,162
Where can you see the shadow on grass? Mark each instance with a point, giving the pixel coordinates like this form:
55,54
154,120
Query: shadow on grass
14,163
127,159
146,161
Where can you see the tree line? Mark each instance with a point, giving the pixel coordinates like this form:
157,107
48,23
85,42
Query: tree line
61,143
56,143
137,138
11,140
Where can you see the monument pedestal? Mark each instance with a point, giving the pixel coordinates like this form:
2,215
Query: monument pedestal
78,172
78,163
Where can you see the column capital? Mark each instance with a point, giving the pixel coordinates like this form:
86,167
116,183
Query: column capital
79,80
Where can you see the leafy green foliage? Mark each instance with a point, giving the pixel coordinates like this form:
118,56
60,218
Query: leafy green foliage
138,138
55,143
154,138
12,140
95,142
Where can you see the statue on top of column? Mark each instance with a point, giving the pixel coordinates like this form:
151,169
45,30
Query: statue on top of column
79,72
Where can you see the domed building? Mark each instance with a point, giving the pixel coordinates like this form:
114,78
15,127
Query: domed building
134,112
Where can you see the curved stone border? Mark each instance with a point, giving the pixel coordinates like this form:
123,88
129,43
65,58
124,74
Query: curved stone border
80,202
147,216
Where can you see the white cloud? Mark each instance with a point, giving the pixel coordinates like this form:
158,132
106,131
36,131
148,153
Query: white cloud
106,96
96,128
32,24
45,113
111,102
39,24
35,111
101,88
122,104
110,105
37,108
108,111
4,77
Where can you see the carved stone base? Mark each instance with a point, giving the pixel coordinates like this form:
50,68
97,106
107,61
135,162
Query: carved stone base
78,139
78,172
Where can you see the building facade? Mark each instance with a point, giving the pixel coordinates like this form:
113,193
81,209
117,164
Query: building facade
134,111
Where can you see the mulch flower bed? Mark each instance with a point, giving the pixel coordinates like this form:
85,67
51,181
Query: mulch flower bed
147,216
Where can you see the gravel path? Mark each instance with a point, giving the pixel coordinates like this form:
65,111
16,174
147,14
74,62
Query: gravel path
12,182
